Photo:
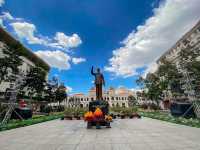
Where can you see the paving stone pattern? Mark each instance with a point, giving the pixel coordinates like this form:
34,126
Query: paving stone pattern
126,134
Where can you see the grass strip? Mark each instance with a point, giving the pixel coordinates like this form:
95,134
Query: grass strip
192,122
21,123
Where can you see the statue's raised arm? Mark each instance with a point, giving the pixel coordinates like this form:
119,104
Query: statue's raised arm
92,71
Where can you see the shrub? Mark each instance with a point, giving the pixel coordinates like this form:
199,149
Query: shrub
144,106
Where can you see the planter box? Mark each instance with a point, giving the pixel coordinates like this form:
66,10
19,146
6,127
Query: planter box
68,117
180,109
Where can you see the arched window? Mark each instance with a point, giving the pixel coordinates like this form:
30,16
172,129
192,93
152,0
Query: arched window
112,98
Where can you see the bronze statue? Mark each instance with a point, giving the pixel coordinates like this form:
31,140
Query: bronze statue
99,81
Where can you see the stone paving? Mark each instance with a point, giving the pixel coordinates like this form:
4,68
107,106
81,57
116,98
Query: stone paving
126,134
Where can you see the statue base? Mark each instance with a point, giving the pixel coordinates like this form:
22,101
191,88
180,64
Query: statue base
104,106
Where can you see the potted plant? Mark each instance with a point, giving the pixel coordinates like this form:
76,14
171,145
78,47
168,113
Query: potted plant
68,114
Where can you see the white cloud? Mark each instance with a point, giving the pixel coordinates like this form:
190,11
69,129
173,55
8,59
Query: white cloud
68,89
25,30
151,68
67,41
135,89
1,22
78,60
28,31
1,2
56,59
143,47
7,15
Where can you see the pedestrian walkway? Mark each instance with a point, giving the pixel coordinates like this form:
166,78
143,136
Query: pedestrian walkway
126,134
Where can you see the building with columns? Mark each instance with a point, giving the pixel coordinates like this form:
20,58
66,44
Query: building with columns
115,97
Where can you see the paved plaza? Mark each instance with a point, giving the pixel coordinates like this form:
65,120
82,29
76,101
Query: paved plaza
127,134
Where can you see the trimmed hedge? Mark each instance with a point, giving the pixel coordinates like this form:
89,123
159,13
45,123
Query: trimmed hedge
21,123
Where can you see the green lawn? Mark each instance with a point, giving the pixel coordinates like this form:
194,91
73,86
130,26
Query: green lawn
167,117
35,119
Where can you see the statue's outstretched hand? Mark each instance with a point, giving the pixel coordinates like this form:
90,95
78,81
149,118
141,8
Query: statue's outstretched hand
92,71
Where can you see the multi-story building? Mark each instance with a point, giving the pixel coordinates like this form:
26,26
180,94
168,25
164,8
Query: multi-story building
190,40
115,97
28,58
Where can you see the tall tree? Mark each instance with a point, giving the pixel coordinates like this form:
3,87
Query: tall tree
61,93
9,64
170,78
35,81
132,101
152,84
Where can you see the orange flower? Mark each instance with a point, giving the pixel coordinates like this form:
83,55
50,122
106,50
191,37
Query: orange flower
88,116
108,118
98,112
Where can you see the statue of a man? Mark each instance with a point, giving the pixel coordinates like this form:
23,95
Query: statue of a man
99,81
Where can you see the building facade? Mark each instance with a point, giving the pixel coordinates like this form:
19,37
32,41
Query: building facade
28,58
191,40
115,97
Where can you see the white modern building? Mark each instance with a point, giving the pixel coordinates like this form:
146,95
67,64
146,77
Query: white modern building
190,40
115,97
29,59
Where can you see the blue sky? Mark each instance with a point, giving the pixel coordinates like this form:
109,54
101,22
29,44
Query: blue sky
73,35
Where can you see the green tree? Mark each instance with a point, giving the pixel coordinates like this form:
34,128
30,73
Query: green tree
61,93
170,78
35,81
132,101
153,86
9,64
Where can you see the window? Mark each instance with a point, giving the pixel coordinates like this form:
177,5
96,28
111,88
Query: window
116,98
117,105
123,104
